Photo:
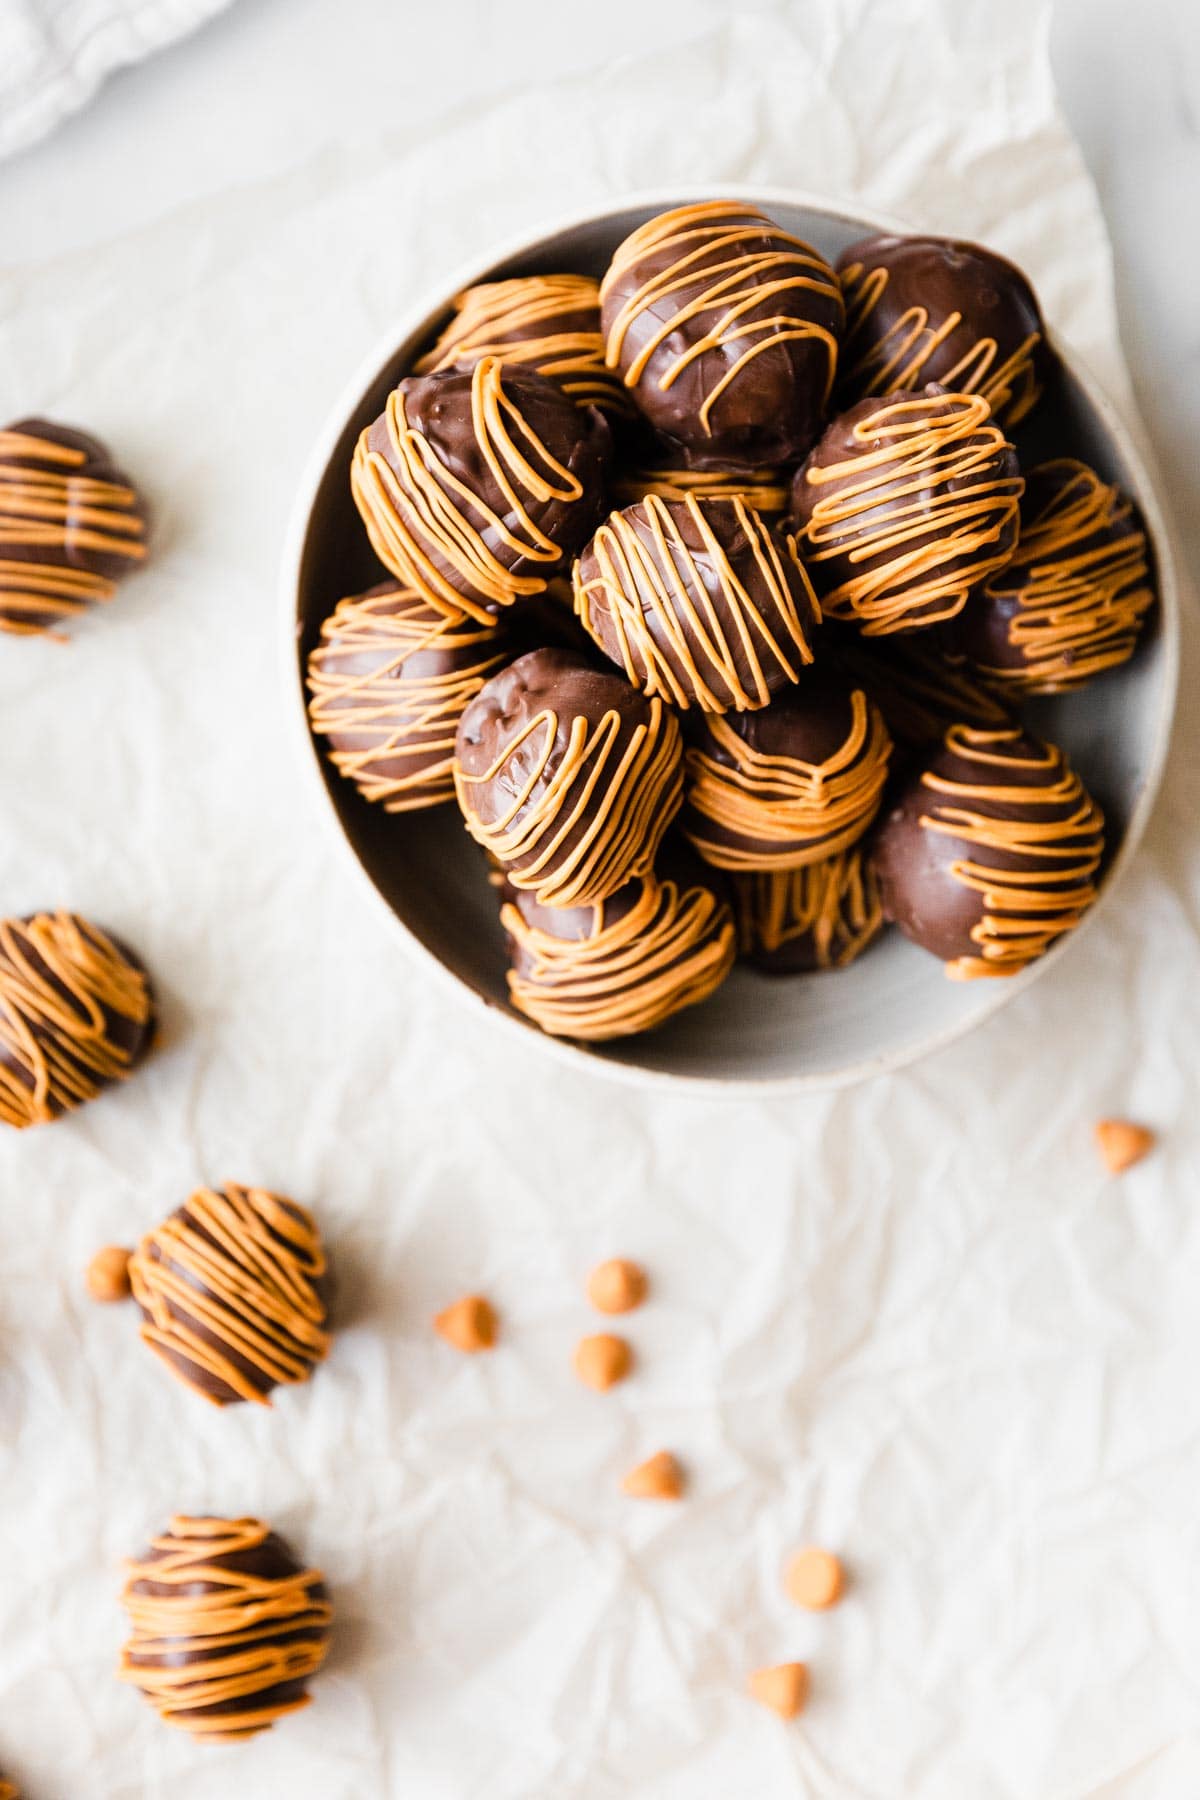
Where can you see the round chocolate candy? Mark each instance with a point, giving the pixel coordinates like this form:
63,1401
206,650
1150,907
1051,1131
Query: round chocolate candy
904,506
991,852
389,682
76,1015
621,966
227,1627
70,525
550,323
918,689
788,786
1073,598
823,916
567,776
477,485
725,329
699,601
232,1290
924,309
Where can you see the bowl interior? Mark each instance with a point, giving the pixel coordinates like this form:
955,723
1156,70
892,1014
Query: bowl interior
893,1004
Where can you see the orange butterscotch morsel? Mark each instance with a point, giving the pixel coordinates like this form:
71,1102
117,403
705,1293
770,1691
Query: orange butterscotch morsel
1121,1143
658,1478
783,1688
107,1276
469,1324
616,1286
814,1579
603,1360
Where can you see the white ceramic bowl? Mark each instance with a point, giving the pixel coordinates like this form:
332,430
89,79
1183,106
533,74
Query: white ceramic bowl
759,1033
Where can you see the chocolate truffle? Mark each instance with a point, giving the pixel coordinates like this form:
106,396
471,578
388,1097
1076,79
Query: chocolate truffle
551,323
477,485
76,1015
725,329
70,525
924,309
621,966
568,776
822,916
991,852
1072,601
389,682
788,786
918,689
764,491
699,601
226,1627
904,505
232,1293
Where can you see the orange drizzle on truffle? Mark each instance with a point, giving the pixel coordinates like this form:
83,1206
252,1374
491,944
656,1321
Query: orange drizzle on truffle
834,905
427,508
228,1288
1024,909
221,1636
61,980
949,512
766,491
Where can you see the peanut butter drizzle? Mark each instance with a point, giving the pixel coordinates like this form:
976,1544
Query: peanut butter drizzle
619,798
55,1051
730,286
1080,602
57,511
426,507
1023,910
413,719
766,491
936,474
899,360
795,812
522,321
236,1629
834,903
667,621
241,1265
673,948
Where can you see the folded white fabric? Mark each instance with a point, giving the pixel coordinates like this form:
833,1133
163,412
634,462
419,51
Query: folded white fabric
55,53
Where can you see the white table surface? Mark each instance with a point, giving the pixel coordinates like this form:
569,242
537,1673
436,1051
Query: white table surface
976,1357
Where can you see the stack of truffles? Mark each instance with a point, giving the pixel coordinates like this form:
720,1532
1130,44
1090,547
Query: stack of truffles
714,588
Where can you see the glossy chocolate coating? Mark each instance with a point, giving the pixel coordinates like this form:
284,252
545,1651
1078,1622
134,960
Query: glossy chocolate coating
971,298
915,865
498,733
772,408
915,685
438,408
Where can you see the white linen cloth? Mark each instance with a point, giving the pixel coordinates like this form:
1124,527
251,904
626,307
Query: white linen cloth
913,1321
55,53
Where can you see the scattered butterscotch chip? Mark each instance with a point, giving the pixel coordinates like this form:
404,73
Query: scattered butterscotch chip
107,1274
784,1688
616,1286
1121,1143
603,1360
470,1324
814,1578
659,1478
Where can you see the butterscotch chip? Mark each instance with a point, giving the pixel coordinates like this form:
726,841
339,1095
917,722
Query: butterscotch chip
603,1360
470,1324
814,1579
616,1286
107,1275
784,1688
658,1478
1121,1143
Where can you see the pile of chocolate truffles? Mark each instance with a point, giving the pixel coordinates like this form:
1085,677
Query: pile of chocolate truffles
715,588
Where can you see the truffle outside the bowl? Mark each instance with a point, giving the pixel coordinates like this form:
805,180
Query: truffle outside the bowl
810,1032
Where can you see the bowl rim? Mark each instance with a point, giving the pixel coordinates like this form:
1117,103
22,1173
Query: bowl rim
436,298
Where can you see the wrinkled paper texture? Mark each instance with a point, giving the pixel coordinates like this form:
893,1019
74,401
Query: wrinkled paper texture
912,1321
